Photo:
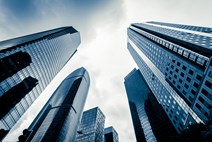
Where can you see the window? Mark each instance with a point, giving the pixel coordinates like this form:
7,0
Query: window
177,70
196,85
184,67
174,82
188,79
201,100
191,72
198,77
193,92
180,80
184,92
182,74
178,63
204,92
208,84
198,106
186,86
173,61
178,86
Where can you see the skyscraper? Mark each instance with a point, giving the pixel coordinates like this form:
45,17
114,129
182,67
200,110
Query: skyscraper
110,135
149,119
175,61
91,128
60,117
28,64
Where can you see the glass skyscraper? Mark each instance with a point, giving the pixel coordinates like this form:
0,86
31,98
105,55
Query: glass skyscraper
110,135
28,64
60,117
91,128
149,119
175,61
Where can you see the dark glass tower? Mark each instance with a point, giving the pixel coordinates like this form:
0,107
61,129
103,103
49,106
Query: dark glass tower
175,61
91,128
27,66
149,119
60,117
111,135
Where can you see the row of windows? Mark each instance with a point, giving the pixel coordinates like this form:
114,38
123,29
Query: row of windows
194,57
159,88
204,100
186,27
188,37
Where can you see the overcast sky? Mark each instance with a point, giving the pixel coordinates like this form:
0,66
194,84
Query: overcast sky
103,50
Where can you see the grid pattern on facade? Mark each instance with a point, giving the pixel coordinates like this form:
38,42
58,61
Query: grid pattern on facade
46,59
180,74
195,39
91,128
187,98
187,27
194,57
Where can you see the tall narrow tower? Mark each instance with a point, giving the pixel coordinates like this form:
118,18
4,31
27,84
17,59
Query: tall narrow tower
60,117
27,66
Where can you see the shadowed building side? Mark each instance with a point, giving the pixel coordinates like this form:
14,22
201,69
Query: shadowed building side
110,135
149,119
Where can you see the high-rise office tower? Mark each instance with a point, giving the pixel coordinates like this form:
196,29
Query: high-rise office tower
27,65
60,117
110,135
175,61
149,119
91,128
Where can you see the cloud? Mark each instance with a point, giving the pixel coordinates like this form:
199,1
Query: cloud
22,10
25,17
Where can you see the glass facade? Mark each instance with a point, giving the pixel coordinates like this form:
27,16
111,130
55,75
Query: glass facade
186,27
111,135
91,128
28,64
137,92
176,64
60,117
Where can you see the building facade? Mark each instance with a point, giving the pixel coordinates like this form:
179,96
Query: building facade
149,119
175,61
60,117
110,135
91,128
28,64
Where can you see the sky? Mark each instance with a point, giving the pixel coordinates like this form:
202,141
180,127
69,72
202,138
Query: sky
103,50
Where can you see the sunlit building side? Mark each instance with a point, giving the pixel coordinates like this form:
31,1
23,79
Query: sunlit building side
175,61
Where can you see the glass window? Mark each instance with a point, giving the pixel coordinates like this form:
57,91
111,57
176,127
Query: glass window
198,77
208,84
184,67
191,72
